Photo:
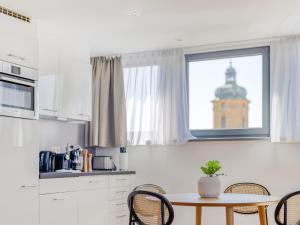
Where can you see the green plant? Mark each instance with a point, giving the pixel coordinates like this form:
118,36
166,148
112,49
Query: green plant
211,168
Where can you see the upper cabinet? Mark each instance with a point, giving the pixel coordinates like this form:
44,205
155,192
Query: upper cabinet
49,77
19,42
76,89
65,79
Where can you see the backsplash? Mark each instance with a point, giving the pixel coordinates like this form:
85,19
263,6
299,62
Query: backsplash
55,133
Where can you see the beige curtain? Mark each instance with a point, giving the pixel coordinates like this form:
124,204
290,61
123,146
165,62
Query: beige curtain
108,126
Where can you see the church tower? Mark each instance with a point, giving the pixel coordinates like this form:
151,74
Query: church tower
230,105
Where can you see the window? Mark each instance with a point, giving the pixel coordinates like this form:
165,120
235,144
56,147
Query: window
229,93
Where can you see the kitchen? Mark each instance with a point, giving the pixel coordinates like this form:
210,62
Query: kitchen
101,100
46,104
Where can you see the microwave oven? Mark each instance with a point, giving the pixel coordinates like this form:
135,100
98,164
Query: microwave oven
18,91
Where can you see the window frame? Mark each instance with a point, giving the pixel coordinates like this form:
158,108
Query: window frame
264,131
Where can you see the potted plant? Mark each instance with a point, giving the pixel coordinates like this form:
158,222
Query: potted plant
210,185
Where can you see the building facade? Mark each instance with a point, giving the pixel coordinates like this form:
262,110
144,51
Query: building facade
230,106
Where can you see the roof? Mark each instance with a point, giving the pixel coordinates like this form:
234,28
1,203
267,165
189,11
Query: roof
231,90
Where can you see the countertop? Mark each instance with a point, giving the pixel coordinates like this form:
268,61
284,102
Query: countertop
94,173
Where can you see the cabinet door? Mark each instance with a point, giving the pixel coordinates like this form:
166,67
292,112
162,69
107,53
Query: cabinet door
76,88
49,97
19,182
59,209
70,89
85,110
119,218
49,76
19,42
93,207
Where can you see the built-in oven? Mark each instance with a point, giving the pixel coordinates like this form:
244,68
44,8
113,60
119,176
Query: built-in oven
18,94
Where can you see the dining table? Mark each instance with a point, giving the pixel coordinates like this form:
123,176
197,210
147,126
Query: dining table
227,200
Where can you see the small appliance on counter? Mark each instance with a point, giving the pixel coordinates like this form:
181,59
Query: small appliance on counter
76,158
47,161
103,163
62,161
123,159
73,160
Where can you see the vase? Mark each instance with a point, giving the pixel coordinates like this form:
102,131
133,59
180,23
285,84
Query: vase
209,187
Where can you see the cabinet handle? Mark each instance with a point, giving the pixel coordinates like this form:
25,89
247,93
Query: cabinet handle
120,204
59,199
121,216
28,186
121,179
61,118
93,182
81,114
51,110
16,57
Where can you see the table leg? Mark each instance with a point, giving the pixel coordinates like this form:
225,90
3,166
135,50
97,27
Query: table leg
229,216
262,215
198,215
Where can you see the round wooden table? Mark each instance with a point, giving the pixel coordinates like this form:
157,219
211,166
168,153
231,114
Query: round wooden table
229,201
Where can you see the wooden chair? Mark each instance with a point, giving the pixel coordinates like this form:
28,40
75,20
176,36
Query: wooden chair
150,187
247,188
149,208
287,211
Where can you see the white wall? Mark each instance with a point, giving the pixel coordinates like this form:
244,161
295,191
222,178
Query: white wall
177,169
53,133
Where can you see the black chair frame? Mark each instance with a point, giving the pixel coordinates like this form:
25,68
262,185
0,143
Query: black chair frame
133,218
283,203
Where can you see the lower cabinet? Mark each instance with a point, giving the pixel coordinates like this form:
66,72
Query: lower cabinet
87,200
93,208
119,218
19,206
58,209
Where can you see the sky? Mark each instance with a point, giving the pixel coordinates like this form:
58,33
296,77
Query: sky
206,76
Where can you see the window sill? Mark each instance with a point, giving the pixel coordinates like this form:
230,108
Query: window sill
230,139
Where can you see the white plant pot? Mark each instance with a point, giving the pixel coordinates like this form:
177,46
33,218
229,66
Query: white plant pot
209,187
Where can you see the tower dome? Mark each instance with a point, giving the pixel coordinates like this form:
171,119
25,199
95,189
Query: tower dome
231,90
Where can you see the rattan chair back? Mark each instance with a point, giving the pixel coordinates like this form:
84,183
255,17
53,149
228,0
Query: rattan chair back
287,211
150,187
149,208
247,188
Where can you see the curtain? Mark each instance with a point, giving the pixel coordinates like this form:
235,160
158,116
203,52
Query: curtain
156,98
108,126
285,124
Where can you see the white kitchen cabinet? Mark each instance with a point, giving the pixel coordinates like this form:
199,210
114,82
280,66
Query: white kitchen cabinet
93,208
19,191
59,209
93,199
76,89
19,43
49,77
96,200
120,187
85,108
119,218
65,80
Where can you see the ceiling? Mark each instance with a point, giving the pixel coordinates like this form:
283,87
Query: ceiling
123,26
